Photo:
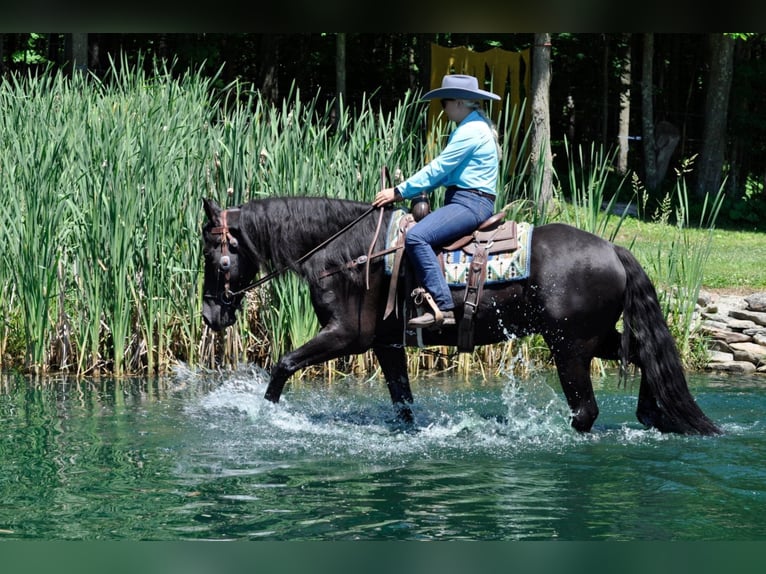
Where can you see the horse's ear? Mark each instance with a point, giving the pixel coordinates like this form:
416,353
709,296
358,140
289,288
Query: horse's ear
212,209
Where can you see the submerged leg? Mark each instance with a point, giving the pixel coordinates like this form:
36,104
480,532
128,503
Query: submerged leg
647,412
393,362
574,375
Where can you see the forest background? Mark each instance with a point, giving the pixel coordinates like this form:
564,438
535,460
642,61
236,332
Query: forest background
699,98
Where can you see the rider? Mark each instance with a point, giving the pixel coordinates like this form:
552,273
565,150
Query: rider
468,167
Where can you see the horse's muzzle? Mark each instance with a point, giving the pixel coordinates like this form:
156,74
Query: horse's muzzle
217,315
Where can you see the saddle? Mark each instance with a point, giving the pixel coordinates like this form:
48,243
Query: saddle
495,235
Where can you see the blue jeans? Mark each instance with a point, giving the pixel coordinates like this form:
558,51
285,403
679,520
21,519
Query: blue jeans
462,212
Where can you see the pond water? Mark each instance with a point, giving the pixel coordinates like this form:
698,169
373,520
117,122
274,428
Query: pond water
200,456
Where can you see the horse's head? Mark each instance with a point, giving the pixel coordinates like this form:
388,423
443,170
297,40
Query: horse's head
227,270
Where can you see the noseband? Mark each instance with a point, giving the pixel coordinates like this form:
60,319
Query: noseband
225,239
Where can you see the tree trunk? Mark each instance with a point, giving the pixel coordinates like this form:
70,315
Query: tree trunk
623,124
647,113
540,154
710,164
267,71
412,67
605,64
666,139
340,66
80,52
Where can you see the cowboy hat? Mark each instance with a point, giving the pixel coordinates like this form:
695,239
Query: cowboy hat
460,87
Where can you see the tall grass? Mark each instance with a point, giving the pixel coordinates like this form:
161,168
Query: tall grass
104,178
590,180
678,263
36,180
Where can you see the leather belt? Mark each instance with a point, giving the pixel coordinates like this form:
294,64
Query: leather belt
490,196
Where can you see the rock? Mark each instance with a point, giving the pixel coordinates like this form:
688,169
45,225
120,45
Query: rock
705,298
742,367
734,329
755,332
751,352
756,302
721,357
713,316
720,346
752,316
738,323
714,328
733,337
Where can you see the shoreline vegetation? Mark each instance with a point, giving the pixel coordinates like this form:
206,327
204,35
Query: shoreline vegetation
102,267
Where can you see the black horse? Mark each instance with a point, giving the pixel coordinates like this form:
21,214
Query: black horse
577,288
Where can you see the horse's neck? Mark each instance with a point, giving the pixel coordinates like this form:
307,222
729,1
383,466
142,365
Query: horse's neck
282,241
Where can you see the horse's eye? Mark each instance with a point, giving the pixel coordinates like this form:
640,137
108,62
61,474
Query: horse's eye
225,263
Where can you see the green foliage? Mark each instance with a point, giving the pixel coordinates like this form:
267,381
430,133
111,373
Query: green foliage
680,263
750,209
102,224
589,180
33,52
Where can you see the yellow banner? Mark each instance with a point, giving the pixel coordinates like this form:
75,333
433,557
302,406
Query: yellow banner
505,73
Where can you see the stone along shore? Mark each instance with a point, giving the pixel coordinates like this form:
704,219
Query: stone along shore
735,326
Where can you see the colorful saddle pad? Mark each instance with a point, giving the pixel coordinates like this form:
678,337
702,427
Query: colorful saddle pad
501,267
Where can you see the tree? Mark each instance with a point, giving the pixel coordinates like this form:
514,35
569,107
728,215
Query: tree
540,139
647,112
79,52
623,124
340,66
266,75
710,164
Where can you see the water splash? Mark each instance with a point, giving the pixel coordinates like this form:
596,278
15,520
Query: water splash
355,419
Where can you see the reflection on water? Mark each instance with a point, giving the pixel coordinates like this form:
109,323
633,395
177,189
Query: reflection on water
203,456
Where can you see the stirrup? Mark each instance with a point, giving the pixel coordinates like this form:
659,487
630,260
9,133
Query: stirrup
419,295
427,320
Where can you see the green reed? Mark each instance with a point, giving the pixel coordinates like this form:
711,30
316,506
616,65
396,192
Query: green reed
107,179
678,263
589,180
35,178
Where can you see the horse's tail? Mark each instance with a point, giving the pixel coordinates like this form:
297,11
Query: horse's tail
670,406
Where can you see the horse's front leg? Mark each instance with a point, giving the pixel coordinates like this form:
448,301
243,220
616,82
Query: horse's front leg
331,342
393,362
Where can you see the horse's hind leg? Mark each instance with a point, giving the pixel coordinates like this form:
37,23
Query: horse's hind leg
574,375
393,362
648,411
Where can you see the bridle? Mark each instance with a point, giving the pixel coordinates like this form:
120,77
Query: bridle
227,296
226,239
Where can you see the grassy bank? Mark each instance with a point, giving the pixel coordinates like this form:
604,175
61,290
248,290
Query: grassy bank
736,263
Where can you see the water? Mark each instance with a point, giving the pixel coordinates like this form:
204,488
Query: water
204,457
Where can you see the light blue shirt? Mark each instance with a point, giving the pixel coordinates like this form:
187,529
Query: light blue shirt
469,161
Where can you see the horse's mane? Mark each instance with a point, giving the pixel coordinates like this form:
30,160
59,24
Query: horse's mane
283,229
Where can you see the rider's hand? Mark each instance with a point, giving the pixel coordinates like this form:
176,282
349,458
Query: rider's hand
386,196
